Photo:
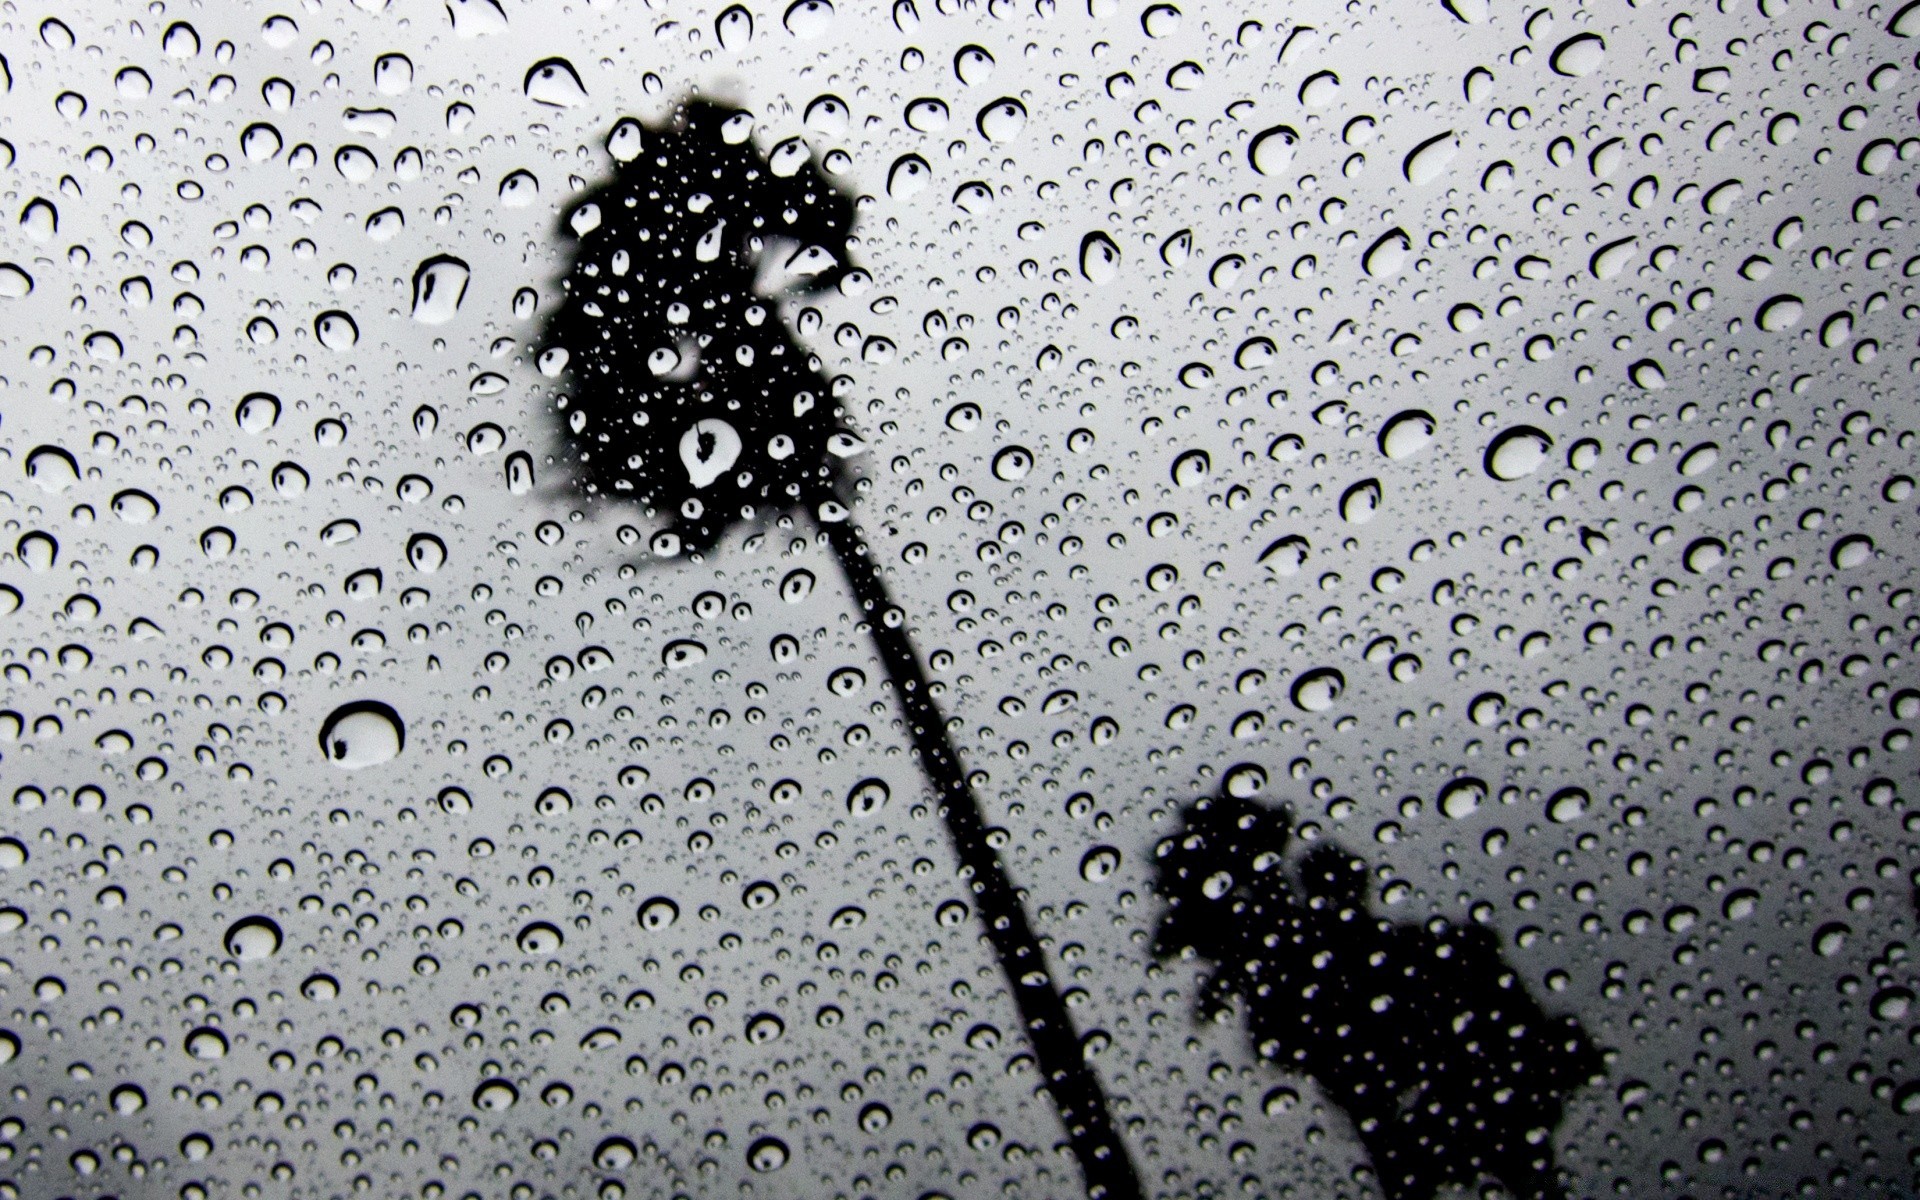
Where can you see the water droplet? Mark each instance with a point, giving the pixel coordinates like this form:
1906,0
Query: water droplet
180,41
539,937
1780,313
252,938
1567,804
439,286
554,82
1430,159
708,449
475,18
1318,689
1361,502
1012,463
734,27
52,469
37,551
1387,254
796,585
808,19
1319,90
1002,120
336,330
1579,55
972,65
426,553
496,1095
134,507
1099,258
1406,434
206,1042
769,1153
868,797
290,479
14,281
908,177
1462,798
658,913
1647,374
679,655
1286,555
1191,468
614,1154
1271,150
1516,453
1852,551
362,734
1704,554
1612,258
1099,863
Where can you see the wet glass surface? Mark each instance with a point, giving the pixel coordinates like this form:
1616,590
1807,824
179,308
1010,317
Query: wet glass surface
937,599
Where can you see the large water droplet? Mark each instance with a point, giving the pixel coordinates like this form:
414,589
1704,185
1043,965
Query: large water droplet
553,81
14,281
614,1154
1567,804
362,734
1406,434
1462,798
1852,551
1012,463
495,1095
252,938
336,330
1429,160
1516,453
52,469
206,1042
808,19
868,797
908,177
708,449
257,413
439,285
1099,258
1002,120
1361,502
1271,150
734,27
475,18
1580,54
1780,313
658,913
1612,258
1191,468
1318,689
1387,254
768,1154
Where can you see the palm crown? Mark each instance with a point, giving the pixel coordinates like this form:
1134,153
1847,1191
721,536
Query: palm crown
688,393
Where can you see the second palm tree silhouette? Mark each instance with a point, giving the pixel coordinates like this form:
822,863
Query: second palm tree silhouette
688,395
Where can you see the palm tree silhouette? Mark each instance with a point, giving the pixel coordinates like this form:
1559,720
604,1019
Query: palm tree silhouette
689,396
1449,1070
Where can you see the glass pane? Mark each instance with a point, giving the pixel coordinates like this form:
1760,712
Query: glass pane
928,599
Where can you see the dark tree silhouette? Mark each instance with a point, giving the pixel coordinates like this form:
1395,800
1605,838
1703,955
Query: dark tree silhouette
1449,1070
688,395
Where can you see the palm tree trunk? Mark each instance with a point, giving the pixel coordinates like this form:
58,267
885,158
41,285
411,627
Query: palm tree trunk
1070,1080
